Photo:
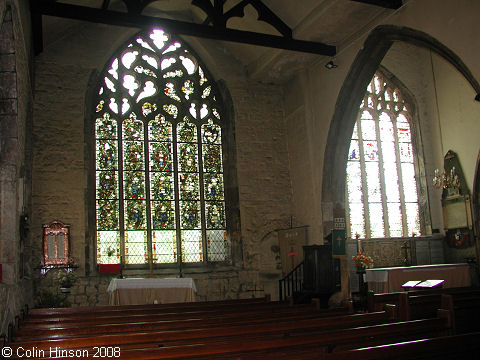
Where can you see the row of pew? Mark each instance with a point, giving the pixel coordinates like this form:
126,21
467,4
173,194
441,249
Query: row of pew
241,329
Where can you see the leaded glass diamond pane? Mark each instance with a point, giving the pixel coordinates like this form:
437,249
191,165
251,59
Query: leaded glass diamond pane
373,182
354,182
395,219
392,190
368,130
406,152
217,245
136,248
108,247
409,182
413,218
164,246
357,219
377,228
192,246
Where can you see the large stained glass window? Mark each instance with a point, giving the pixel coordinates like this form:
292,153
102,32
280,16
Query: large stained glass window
381,182
159,169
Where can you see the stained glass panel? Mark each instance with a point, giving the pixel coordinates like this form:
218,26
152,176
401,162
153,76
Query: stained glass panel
161,156
135,215
215,213
370,150
161,186
190,214
106,155
107,185
354,151
163,215
106,128
213,186
160,129
133,155
107,215
187,157
384,198
152,90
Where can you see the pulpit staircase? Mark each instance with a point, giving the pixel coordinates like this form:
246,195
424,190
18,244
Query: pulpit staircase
317,276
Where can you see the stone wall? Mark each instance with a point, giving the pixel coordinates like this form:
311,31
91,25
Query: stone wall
15,110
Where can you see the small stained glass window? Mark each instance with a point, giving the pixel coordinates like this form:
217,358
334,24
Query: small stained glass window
381,183
160,194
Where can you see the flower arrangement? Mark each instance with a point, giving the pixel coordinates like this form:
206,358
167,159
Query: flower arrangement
66,279
362,261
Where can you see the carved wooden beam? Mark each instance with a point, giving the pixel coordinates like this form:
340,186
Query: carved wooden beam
179,27
389,4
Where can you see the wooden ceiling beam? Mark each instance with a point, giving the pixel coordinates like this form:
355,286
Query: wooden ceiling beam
109,17
388,4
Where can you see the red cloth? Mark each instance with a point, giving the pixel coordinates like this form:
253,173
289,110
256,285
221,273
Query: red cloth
109,268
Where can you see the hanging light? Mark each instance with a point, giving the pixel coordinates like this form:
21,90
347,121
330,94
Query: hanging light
446,180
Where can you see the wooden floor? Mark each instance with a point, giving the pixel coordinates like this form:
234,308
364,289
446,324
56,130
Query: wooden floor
256,329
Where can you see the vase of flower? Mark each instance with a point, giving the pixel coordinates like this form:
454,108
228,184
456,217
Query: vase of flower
65,280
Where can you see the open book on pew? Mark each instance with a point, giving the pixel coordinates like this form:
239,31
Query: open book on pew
427,284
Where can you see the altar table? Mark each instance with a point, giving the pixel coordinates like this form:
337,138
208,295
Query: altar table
136,291
384,280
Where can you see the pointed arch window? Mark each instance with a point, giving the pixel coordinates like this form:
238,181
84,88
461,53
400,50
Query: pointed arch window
381,183
159,157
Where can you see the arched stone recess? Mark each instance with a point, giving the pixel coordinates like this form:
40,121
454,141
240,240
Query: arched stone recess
351,94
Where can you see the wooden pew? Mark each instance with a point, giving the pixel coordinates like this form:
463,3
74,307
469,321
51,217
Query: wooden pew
416,304
464,310
185,336
454,347
317,342
171,320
